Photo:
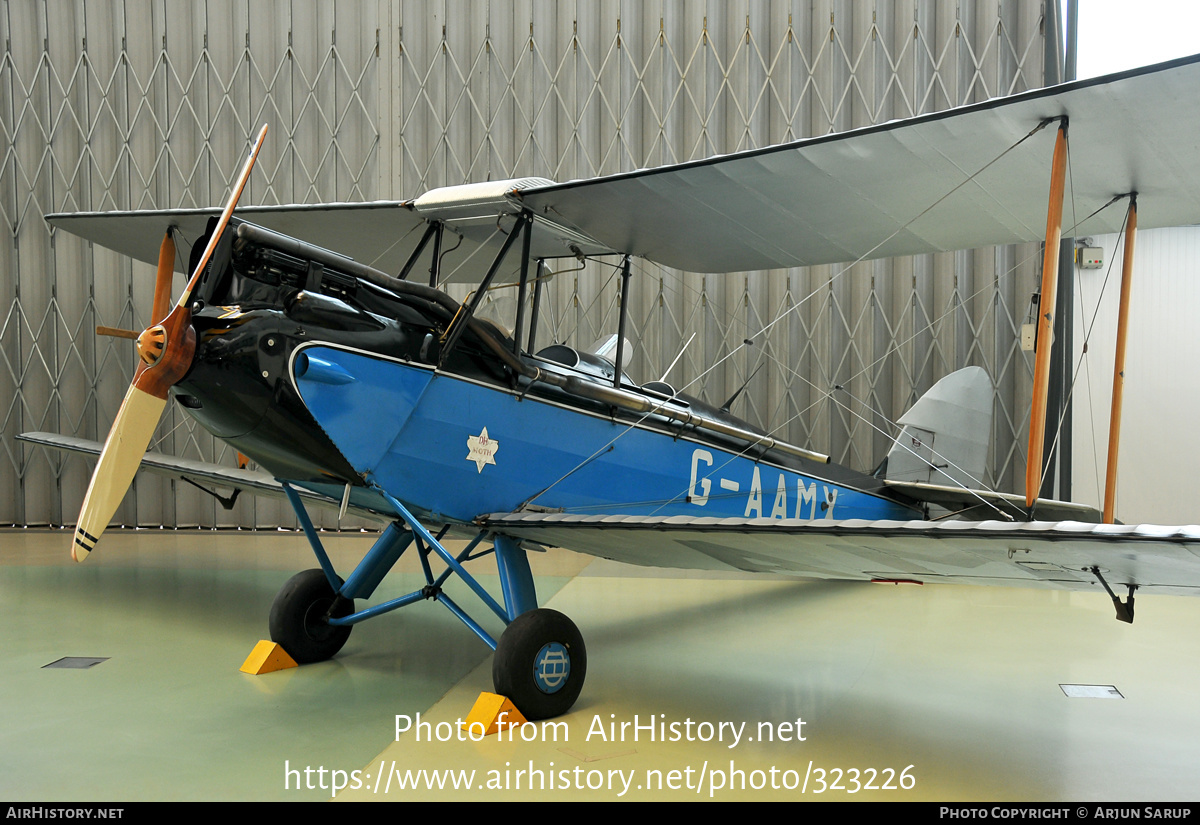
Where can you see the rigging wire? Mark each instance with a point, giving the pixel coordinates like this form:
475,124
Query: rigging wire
898,443
586,310
829,394
800,303
900,229
895,346
933,452
393,244
485,244
1066,401
1083,354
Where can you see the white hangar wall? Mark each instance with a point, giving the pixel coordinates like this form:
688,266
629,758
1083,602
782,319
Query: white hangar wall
150,103
1160,442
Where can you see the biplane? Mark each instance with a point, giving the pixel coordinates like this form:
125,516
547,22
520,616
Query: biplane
367,386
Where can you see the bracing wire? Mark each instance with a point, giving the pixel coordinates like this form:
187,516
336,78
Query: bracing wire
800,303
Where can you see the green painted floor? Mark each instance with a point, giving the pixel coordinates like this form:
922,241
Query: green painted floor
961,683
169,716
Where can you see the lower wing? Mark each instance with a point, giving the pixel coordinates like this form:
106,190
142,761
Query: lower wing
1063,555
199,473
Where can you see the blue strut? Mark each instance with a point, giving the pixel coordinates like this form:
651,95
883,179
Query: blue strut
516,580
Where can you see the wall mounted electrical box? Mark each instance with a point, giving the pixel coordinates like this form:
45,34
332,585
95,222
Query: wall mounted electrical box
1091,257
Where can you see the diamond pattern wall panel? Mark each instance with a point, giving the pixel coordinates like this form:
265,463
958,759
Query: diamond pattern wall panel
151,103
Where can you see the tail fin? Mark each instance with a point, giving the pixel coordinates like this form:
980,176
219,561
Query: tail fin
945,435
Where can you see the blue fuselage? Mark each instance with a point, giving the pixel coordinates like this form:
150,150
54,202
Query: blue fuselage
455,448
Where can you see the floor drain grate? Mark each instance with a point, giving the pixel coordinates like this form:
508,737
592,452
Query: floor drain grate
77,662
1091,692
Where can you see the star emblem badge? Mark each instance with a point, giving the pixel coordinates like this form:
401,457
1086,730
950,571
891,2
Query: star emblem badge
481,449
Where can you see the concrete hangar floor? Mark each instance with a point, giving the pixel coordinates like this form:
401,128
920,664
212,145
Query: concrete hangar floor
951,692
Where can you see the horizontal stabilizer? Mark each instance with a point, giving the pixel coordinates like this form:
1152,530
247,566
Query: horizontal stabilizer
940,455
988,503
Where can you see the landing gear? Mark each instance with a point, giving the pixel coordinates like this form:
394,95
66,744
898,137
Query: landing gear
540,663
299,618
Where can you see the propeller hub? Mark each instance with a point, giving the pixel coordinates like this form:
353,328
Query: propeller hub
151,344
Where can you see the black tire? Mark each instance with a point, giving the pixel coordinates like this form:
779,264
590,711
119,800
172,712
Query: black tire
540,664
298,618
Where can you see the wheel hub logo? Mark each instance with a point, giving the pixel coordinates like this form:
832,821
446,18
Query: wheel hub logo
551,667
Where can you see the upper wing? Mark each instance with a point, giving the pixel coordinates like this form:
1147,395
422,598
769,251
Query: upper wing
380,234
852,195
1029,554
367,231
866,193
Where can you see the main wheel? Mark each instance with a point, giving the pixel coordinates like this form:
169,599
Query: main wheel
298,618
540,664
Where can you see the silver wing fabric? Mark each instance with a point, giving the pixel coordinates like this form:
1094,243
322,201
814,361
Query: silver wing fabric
949,180
1057,555
863,193
253,481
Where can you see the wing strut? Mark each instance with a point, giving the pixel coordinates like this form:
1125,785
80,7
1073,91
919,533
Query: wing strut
434,231
453,332
523,286
539,275
621,323
1114,425
1041,370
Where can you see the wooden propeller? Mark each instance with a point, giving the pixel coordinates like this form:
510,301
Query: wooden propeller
166,349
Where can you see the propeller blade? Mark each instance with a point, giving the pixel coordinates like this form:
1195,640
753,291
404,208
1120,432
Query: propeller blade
225,215
166,349
122,455
162,280
117,332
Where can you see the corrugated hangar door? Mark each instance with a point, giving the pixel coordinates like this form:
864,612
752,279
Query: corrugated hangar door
150,104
